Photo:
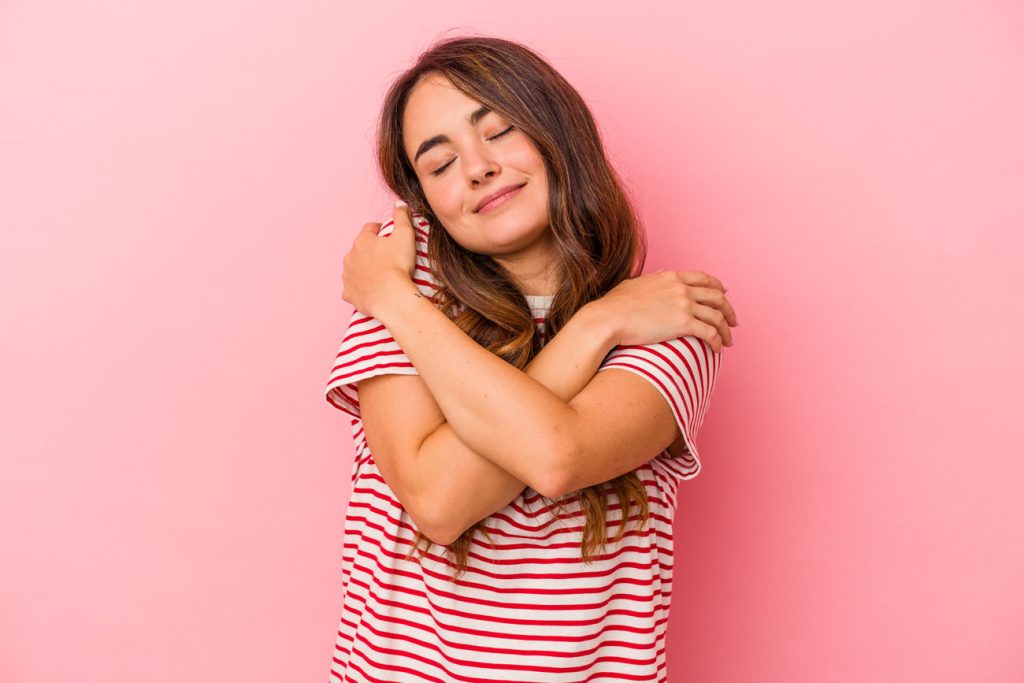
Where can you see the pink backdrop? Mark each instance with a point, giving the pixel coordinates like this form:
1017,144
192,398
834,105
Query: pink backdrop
181,180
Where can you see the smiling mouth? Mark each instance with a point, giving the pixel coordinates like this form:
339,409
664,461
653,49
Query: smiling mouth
501,199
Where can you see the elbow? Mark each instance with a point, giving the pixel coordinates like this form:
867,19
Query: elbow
554,490
558,478
555,485
447,532
438,528
449,536
441,537
438,534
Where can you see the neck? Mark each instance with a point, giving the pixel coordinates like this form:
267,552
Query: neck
534,269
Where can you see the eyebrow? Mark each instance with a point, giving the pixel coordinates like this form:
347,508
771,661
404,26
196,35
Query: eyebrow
430,143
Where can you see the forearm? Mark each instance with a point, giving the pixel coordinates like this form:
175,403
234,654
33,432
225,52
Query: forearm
500,412
469,487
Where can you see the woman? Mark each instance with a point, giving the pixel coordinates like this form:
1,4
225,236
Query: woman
467,419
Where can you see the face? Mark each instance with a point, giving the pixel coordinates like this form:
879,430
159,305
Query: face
461,155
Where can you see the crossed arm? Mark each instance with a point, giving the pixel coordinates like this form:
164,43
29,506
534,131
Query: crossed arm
472,430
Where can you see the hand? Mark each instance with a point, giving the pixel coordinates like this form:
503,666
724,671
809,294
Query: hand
669,304
375,267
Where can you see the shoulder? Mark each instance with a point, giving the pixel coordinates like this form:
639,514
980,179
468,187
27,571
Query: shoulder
682,353
686,365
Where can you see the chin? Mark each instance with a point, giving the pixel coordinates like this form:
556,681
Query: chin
511,237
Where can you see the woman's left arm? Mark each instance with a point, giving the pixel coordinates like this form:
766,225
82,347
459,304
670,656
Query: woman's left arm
497,410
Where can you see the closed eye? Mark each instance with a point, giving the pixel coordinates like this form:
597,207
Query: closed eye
504,132
493,137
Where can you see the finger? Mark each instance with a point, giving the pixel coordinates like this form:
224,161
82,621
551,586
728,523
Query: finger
708,333
401,213
702,279
402,216
716,319
713,297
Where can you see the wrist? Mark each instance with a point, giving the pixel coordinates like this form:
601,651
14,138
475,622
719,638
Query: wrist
598,324
394,298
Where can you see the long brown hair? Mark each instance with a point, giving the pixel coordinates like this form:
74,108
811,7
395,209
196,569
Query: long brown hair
595,226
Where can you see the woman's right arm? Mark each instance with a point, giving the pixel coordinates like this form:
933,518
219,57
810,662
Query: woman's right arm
445,486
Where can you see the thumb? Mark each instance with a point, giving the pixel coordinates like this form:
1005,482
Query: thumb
402,216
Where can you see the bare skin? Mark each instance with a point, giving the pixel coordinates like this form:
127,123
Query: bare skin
528,427
462,438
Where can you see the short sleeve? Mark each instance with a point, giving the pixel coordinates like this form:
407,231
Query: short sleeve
367,348
683,371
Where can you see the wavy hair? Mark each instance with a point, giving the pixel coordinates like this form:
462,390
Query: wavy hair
597,232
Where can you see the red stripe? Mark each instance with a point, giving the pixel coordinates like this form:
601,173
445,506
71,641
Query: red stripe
378,366
407,624
630,662
527,637
382,589
365,358
508,666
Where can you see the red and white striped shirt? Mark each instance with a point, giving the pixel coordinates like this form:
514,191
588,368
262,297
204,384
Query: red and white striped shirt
527,608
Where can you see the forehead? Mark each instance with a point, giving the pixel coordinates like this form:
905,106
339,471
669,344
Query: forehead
435,106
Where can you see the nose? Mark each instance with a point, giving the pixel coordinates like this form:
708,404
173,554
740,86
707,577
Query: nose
479,165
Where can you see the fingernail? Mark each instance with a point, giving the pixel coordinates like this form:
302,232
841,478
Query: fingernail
400,203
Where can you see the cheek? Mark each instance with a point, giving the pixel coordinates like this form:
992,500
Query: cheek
528,159
443,199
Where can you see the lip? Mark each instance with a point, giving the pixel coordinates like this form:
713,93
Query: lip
494,195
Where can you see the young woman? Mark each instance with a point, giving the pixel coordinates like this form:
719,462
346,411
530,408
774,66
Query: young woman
519,396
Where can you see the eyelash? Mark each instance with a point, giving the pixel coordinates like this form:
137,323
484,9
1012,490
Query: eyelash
493,137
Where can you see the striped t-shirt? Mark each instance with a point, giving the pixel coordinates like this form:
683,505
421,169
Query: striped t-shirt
528,608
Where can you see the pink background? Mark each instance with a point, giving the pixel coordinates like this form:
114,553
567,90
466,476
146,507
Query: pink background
180,182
